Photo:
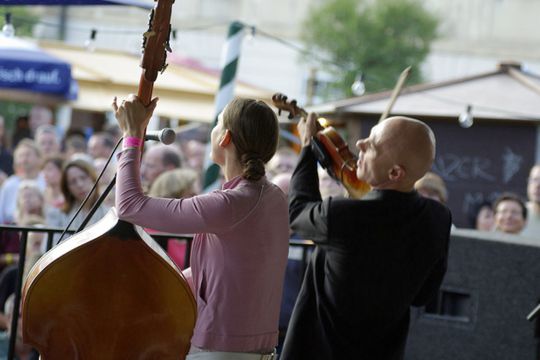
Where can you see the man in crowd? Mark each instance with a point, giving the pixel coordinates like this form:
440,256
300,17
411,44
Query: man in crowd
195,152
510,214
433,187
47,140
100,145
156,160
375,257
39,115
27,165
532,229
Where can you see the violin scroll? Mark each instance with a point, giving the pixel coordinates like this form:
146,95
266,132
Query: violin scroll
329,148
280,101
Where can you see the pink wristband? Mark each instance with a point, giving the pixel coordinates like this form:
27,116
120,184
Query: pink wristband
132,141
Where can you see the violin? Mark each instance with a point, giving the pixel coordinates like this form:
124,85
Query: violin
110,291
330,149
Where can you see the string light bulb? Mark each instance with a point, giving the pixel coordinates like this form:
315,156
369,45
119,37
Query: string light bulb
466,118
324,122
8,30
251,34
90,44
358,87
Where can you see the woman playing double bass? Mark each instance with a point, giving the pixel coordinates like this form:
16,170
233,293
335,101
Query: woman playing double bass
240,248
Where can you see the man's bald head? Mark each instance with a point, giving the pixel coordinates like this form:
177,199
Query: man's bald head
399,151
411,143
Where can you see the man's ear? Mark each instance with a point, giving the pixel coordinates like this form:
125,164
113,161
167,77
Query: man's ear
396,173
225,139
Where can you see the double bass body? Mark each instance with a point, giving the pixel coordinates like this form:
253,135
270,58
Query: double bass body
109,292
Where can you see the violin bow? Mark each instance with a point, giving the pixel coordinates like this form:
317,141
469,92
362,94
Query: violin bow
395,93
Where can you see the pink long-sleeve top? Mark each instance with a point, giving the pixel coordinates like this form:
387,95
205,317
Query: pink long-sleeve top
238,257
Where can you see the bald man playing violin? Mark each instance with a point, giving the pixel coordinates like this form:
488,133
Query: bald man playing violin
375,257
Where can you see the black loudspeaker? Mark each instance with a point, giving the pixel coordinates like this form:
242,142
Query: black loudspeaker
492,283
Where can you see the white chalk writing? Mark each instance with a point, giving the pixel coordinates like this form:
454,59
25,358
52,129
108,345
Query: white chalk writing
511,164
453,167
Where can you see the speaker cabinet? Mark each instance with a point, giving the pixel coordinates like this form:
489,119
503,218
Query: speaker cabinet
492,283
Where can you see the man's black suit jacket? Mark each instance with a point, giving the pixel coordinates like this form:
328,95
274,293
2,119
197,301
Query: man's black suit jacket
375,258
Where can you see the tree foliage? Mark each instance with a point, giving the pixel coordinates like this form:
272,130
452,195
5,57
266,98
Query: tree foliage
23,20
376,38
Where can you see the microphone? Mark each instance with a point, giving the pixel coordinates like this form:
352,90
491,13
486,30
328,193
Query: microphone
166,136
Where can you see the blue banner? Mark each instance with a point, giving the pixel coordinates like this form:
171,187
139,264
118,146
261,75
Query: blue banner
31,69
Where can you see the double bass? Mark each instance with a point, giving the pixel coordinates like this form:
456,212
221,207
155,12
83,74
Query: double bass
330,149
110,291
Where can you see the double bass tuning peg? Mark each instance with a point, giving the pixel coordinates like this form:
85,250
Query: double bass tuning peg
164,66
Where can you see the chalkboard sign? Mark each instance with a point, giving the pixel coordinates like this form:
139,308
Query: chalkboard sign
481,162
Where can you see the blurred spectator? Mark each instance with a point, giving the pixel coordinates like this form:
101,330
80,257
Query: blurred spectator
114,131
195,152
78,177
432,186
74,144
22,131
82,156
22,351
283,161
101,145
27,163
156,160
30,204
30,212
47,140
8,281
6,159
176,184
9,248
283,181
30,201
329,186
36,244
510,213
532,229
52,172
482,217
39,115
